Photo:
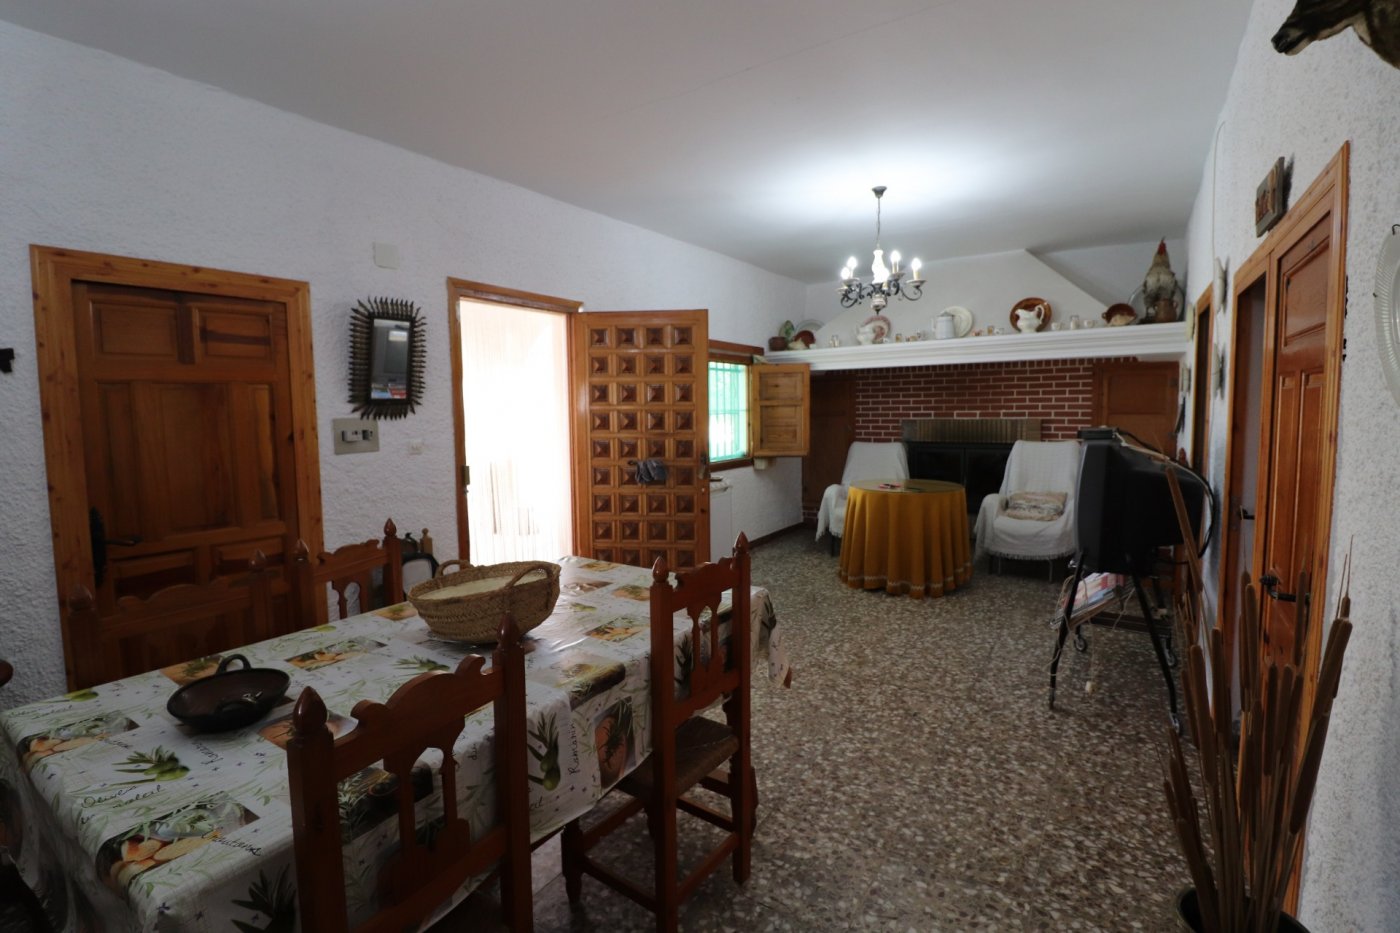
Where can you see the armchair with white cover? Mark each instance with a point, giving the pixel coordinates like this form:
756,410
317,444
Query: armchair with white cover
865,460
1037,474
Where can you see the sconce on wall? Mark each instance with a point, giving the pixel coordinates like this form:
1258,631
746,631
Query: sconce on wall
387,357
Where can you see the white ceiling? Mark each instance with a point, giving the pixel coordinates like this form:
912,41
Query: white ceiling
753,127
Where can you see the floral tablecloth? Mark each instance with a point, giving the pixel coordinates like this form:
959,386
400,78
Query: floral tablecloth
121,818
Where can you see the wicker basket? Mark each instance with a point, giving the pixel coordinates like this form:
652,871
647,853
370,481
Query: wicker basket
481,595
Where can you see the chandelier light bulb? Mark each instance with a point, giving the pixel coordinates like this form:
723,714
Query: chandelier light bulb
915,265
851,263
894,260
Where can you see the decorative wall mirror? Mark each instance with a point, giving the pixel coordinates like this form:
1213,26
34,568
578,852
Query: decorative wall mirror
386,358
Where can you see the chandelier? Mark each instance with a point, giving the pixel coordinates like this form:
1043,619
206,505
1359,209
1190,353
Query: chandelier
886,282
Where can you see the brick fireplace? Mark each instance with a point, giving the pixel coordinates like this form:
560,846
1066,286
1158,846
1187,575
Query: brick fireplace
1058,392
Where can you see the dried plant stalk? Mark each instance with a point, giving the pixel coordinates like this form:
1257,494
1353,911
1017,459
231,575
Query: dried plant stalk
1254,811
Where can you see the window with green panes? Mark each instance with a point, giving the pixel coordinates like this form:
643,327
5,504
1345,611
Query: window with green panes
729,411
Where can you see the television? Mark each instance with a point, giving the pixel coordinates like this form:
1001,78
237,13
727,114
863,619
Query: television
1124,506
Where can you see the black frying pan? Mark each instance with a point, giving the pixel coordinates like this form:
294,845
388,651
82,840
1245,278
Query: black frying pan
229,699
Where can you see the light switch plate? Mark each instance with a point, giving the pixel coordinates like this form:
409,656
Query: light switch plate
386,255
355,435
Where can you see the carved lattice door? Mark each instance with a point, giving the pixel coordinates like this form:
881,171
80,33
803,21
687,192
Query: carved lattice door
641,381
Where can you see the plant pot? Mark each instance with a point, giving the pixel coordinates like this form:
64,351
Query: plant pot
1188,917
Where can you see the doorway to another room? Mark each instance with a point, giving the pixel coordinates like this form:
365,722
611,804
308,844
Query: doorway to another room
511,396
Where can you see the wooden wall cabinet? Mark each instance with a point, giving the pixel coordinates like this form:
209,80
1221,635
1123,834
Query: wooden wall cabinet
780,409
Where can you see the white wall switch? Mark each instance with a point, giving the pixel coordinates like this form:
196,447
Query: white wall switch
386,255
355,435
415,446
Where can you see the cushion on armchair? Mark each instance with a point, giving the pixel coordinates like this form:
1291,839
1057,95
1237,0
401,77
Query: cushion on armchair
1035,506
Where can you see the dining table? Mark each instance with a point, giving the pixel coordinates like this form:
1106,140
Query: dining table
908,537
120,817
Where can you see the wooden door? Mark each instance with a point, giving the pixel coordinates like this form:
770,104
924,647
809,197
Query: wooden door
185,420
1140,399
833,428
1289,538
179,426
642,393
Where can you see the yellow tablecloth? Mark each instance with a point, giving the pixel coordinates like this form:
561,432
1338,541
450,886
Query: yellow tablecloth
907,537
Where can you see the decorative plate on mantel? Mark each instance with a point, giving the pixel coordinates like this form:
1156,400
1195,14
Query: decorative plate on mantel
880,324
1030,304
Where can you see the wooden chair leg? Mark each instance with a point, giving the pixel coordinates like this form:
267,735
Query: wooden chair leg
741,808
570,843
667,883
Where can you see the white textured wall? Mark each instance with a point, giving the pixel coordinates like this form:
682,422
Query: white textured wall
988,286
1305,107
99,153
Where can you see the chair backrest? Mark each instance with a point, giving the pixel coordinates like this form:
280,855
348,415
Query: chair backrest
176,624
1042,466
426,712
352,565
7,671
709,667
875,460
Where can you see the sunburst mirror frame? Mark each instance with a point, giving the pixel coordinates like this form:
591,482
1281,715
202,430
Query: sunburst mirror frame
397,393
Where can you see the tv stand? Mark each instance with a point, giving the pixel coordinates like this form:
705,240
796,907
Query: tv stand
1070,620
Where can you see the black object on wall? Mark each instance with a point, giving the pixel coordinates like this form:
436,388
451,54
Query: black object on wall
7,355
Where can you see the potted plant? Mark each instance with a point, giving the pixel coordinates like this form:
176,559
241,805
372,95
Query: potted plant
1256,790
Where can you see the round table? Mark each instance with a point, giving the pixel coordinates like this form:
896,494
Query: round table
907,537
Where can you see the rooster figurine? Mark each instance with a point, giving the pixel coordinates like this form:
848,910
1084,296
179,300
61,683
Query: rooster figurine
1159,288
1377,22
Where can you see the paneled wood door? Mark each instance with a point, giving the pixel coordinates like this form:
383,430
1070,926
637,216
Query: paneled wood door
1140,398
1289,538
179,427
642,393
185,409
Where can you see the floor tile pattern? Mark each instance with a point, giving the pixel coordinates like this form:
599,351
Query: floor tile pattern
913,777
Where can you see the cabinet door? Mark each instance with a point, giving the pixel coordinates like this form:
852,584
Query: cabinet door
1139,398
779,409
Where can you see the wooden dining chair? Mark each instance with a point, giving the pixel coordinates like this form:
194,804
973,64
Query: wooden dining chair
352,565
688,749
426,712
179,623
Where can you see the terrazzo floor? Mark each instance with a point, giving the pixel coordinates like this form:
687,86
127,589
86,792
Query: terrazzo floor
913,777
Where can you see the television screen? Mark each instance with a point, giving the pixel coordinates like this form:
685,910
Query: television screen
1124,505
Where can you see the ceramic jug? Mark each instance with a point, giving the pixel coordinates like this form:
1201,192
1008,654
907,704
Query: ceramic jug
1028,319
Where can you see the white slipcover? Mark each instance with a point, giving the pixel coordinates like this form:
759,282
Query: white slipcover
865,460
1034,466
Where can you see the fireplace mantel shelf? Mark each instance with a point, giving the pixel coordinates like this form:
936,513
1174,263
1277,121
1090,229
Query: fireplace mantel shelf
1146,342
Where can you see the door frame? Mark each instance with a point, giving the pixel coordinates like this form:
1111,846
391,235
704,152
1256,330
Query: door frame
54,272
1200,379
458,289
1327,195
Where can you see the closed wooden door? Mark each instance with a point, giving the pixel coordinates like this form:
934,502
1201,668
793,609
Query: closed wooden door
833,427
187,438
1140,399
1289,538
642,394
